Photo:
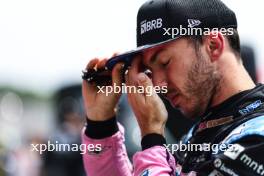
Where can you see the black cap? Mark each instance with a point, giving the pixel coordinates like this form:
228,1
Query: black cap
155,17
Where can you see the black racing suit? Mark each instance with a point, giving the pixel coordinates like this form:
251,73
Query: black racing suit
239,121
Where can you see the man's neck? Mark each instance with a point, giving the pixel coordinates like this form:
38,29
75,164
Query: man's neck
233,81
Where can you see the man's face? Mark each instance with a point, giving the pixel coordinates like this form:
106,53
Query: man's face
190,76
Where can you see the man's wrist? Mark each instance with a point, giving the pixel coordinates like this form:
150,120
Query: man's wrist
101,129
101,116
152,129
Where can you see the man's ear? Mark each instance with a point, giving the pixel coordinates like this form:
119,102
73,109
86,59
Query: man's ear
215,44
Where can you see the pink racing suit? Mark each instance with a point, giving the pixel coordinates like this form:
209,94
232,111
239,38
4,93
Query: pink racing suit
245,157
113,159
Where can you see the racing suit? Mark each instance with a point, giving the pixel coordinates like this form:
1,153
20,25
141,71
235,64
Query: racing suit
237,123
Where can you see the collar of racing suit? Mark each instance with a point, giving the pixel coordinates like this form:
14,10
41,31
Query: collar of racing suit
238,105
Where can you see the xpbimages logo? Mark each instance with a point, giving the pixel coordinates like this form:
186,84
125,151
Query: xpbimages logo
195,31
59,147
149,90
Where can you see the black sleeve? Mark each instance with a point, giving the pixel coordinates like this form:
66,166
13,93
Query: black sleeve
101,129
245,158
151,140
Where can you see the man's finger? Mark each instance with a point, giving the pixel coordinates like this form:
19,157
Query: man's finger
115,54
88,90
126,77
134,69
144,81
102,63
92,63
117,74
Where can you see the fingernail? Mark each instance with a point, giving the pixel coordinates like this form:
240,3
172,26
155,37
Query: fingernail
120,66
95,67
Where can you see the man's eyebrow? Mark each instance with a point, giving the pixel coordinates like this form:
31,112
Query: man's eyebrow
154,58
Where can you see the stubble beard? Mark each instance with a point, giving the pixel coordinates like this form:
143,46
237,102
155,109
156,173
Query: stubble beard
203,81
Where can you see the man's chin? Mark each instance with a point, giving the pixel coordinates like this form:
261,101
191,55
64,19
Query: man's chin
188,114
192,115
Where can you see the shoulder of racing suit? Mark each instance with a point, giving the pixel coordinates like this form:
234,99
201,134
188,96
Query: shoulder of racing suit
244,156
251,127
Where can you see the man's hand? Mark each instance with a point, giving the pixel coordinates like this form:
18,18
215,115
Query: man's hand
150,111
98,105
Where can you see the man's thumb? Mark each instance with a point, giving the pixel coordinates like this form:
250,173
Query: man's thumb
143,80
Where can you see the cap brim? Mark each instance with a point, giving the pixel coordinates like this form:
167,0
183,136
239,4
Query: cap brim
127,57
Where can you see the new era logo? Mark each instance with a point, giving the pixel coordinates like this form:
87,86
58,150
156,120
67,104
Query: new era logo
193,22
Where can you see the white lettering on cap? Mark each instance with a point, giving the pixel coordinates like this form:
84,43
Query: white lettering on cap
147,26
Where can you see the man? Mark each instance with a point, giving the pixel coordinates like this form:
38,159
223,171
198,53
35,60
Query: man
205,79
